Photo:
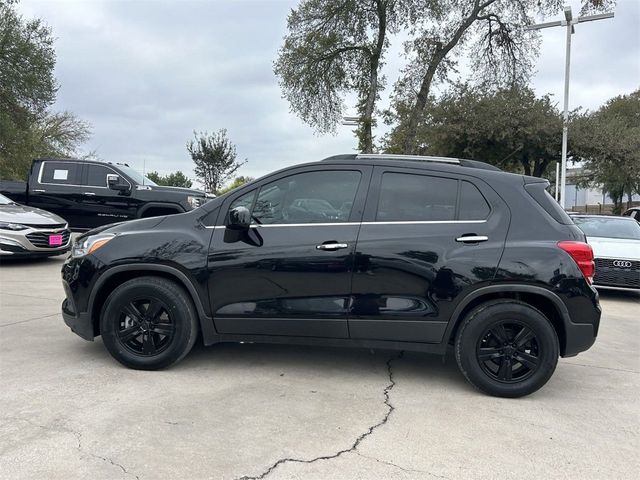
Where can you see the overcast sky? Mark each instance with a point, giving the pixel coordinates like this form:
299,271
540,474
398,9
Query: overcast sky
145,74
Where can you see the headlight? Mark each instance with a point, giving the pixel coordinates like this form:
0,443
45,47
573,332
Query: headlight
90,244
195,202
12,226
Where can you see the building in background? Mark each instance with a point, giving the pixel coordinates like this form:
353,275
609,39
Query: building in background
588,199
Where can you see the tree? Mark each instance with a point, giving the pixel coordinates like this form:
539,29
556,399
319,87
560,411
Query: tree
491,31
237,182
215,158
608,142
509,128
27,90
333,48
175,179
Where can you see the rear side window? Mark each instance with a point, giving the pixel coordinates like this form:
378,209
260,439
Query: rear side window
473,205
407,197
62,173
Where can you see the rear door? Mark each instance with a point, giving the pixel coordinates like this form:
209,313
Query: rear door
290,274
426,240
56,187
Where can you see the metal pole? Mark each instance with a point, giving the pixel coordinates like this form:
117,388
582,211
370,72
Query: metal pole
569,22
557,180
565,123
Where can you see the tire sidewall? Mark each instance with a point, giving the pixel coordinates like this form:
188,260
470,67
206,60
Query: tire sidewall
480,320
178,307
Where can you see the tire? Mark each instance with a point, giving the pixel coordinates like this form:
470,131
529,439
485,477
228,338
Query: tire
149,323
507,348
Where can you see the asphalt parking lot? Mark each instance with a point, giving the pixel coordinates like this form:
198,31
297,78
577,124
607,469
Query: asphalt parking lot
263,411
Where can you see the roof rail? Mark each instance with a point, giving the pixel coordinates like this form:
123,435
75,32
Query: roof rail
420,158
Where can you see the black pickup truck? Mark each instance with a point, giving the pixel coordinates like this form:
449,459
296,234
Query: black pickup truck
90,193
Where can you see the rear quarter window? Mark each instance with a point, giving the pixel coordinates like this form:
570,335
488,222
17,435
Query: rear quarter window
547,202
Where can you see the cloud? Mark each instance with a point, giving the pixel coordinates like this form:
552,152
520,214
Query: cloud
146,74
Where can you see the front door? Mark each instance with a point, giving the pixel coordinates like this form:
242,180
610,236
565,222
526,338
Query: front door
426,241
290,274
100,204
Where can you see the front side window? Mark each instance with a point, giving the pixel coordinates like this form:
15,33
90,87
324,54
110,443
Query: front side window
63,173
310,197
409,197
97,175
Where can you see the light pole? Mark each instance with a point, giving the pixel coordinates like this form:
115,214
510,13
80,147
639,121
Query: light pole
569,22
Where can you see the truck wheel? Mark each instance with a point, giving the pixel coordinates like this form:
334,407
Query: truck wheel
507,348
148,323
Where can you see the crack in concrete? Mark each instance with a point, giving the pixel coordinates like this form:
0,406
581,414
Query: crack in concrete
399,467
79,447
28,320
356,443
603,368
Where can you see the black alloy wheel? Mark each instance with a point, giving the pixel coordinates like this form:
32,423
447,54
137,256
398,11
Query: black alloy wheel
145,326
149,323
508,351
507,348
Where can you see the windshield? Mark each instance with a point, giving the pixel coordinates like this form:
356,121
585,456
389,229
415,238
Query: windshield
608,227
137,176
5,201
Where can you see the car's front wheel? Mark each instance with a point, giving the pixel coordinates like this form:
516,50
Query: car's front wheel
148,323
507,348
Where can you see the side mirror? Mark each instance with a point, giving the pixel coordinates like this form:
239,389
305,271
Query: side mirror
113,181
239,218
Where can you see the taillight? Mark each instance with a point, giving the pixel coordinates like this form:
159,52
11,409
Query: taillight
582,254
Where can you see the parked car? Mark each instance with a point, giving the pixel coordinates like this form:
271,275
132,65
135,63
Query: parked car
90,193
633,212
616,246
426,253
28,231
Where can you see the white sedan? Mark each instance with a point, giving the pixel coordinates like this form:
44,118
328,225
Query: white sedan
616,248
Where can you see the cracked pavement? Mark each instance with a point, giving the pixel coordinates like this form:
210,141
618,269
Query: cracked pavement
68,411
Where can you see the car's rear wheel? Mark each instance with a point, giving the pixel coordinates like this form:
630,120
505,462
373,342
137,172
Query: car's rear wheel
148,323
507,348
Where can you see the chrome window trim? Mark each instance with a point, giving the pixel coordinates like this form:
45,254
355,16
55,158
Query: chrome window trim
408,222
73,184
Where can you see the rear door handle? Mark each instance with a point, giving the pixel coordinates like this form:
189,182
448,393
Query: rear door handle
89,193
472,238
332,246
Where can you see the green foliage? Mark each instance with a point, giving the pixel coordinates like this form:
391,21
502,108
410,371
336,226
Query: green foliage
509,128
491,32
175,179
333,48
237,182
608,142
214,157
27,89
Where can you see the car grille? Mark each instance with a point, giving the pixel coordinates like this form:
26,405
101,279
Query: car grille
41,239
50,226
607,273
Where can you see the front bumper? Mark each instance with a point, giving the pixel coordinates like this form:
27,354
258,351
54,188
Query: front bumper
78,278
33,242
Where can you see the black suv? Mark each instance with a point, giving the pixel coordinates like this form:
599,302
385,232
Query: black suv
377,251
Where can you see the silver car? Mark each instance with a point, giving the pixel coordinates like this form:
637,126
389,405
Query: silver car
616,249
28,231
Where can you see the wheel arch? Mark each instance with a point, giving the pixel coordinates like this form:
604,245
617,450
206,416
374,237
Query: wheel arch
161,208
540,298
115,276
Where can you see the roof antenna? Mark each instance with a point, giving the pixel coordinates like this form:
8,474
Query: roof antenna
144,169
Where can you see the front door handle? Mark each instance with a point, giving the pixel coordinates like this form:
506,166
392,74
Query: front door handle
472,238
332,246
92,194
